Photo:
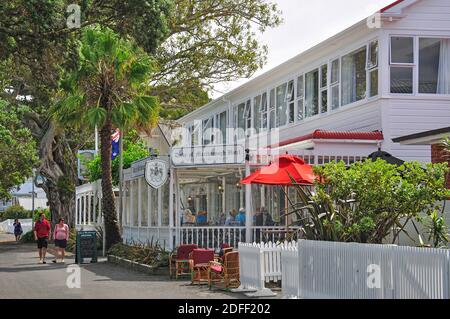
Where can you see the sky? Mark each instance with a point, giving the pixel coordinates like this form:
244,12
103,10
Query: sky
306,23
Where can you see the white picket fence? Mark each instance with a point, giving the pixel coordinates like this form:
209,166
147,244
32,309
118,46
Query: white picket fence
289,271
259,264
8,227
329,270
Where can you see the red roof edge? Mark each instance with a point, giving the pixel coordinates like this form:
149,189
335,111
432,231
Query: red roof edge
334,135
391,6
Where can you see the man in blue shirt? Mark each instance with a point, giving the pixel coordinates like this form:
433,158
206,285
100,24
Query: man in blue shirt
241,217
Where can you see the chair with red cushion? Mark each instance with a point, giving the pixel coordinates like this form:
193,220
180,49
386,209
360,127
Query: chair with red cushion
179,262
226,272
199,264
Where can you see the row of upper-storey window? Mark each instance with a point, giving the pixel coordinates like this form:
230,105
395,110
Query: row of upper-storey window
341,81
417,65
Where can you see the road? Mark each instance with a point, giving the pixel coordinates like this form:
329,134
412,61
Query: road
22,277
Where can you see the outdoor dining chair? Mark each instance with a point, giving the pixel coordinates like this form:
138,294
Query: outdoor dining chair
226,272
199,264
179,262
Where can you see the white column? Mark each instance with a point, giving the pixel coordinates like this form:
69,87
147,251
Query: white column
94,208
160,206
132,203
89,197
84,209
124,203
171,206
76,210
208,202
224,196
100,212
177,208
248,207
263,196
149,206
139,202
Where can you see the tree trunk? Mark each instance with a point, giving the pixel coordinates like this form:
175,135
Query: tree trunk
57,165
112,231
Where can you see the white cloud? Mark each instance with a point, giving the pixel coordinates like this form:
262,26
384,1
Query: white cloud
307,23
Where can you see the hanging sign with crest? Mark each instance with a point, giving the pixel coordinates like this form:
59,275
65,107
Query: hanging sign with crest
156,173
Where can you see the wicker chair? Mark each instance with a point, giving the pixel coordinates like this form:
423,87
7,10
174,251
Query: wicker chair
179,262
226,272
199,260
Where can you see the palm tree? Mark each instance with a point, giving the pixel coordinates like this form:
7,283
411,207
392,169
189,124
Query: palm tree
108,89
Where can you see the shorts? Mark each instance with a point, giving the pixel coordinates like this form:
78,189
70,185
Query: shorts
42,242
61,243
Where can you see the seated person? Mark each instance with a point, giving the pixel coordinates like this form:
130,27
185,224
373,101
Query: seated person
188,217
258,218
241,217
268,221
222,219
230,218
201,218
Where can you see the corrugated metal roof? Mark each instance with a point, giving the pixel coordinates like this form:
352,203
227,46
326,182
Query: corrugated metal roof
334,135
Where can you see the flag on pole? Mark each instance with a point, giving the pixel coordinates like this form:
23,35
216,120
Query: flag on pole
115,138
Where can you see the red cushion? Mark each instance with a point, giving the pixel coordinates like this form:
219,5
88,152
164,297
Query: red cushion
217,268
183,251
202,256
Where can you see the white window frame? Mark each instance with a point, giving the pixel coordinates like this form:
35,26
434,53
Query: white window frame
290,99
413,66
324,88
248,115
317,68
299,98
334,84
272,109
372,68
204,128
266,112
417,72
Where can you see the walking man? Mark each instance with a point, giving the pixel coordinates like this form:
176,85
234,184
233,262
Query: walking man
41,235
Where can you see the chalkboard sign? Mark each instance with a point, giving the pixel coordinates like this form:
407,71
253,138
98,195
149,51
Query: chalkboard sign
86,247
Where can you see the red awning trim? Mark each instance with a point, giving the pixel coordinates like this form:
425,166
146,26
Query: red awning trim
333,135
391,6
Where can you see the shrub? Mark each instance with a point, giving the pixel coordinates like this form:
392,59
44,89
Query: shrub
37,214
369,201
27,237
15,211
152,253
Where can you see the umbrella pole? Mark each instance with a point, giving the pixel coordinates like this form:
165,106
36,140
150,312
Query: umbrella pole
286,207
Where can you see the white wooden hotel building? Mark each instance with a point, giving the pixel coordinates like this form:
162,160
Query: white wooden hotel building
384,77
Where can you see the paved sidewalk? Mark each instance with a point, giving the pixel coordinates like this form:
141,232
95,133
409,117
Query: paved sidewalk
7,238
22,277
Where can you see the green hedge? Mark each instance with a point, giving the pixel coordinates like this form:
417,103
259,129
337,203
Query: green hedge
15,211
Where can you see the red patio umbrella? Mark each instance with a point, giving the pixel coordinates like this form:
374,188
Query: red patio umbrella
281,171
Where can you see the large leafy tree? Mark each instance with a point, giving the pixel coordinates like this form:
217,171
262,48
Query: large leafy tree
108,90
194,45
17,149
369,201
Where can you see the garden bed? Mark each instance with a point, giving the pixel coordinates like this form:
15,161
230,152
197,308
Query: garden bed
133,265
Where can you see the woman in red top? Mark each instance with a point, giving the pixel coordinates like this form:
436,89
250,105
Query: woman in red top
60,235
41,234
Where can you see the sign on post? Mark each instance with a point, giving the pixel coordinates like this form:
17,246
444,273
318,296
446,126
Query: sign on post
86,247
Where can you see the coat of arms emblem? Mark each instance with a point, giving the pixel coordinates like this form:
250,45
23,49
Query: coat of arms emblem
156,173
